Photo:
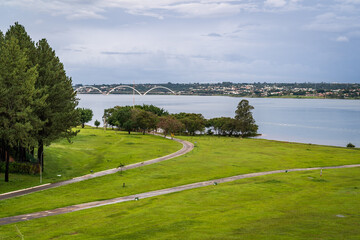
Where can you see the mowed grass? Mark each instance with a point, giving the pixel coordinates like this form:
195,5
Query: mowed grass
96,150
212,158
296,205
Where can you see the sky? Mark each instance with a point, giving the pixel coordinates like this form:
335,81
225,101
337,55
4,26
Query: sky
186,41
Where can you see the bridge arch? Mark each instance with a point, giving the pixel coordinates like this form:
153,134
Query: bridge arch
89,87
159,87
123,86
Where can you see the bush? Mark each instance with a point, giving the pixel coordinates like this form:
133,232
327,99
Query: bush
350,145
22,168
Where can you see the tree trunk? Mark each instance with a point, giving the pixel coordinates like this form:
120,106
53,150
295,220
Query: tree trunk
41,154
83,125
2,155
32,151
129,132
24,154
7,165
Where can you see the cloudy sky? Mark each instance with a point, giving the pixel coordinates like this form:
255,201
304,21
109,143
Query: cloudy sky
158,41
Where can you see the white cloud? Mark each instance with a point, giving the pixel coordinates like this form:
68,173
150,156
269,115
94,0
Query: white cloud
331,22
96,8
342,39
275,3
349,1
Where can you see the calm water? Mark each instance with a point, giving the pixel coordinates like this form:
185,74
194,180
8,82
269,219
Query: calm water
317,121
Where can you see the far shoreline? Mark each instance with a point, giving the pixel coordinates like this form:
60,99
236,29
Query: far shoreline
228,95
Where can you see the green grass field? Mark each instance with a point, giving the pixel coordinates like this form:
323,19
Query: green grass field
298,205
92,149
213,157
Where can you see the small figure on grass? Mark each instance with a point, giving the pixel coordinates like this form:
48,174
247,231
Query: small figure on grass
121,165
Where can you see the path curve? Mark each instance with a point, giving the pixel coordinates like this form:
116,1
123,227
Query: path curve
187,147
78,207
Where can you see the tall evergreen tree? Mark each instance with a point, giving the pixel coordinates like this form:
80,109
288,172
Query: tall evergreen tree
17,88
58,113
24,40
27,46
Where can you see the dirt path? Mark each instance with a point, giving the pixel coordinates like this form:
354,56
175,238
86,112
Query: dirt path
83,206
187,147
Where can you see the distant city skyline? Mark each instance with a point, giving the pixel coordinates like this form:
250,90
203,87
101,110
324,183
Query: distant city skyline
186,41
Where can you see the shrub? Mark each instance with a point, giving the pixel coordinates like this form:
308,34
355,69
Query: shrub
350,145
22,168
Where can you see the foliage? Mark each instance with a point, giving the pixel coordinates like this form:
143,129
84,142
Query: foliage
37,102
193,122
153,109
350,145
132,118
246,124
17,91
120,117
144,120
21,167
224,126
85,115
97,123
59,112
170,124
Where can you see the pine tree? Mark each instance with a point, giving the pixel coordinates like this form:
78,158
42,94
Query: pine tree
59,113
27,46
24,40
17,89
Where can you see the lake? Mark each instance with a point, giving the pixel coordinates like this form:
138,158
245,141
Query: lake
317,121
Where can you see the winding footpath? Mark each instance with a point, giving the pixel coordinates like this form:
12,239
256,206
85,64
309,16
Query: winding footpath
187,147
78,207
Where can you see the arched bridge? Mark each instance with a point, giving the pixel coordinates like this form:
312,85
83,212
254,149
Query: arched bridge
124,86
159,87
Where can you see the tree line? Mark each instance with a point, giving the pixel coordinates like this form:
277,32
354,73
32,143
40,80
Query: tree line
37,101
146,118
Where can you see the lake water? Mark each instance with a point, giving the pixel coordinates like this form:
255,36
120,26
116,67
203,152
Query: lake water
318,121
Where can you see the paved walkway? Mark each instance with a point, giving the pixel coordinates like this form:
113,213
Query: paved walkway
83,206
187,147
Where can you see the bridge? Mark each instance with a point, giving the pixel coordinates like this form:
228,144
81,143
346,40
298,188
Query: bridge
124,86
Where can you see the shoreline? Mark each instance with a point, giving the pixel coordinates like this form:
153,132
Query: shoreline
235,96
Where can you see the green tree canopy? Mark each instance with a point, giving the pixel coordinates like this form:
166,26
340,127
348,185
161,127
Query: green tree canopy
193,122
246,123
151,108
59,112
36,94
97,123
169,124
17,89
144,120
24,40
85,115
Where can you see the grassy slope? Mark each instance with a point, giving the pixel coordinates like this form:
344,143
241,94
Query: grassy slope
283,206
93,149
212,158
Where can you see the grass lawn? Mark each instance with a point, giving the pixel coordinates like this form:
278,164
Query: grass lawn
213,157
93,149
297,205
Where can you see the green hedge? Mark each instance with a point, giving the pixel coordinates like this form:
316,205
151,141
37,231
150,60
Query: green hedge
23,168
